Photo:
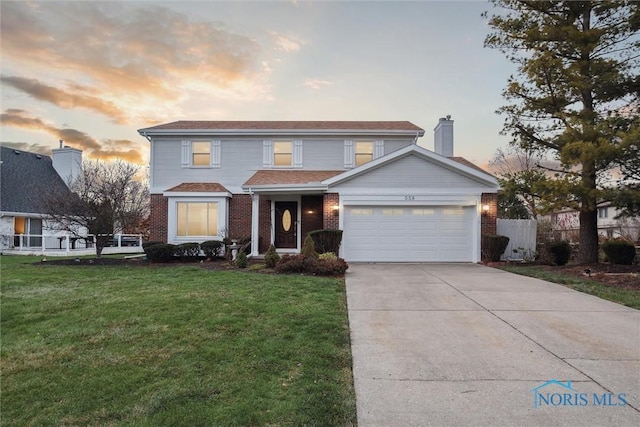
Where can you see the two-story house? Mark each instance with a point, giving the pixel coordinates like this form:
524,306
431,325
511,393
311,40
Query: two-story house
277,181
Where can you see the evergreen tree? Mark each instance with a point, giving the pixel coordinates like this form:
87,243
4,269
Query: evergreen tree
575,94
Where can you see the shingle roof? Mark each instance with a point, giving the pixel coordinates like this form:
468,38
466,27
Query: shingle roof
199,187
25,178
466,162
289,125
276,177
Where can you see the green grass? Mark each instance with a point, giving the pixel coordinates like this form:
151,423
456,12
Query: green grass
630,298
154,346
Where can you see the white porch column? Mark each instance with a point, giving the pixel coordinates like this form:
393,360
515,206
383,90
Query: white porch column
255,229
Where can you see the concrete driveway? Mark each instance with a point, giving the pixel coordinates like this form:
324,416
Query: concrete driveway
463,344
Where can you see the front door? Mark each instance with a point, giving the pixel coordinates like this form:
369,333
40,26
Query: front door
286,225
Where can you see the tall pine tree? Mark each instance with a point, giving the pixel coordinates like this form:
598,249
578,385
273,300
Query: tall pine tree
575,93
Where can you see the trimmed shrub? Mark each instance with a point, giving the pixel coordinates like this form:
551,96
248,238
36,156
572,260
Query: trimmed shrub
311,265
188,251
211,248
241,260
326,240
493,246
290,264
333,267
328,256
271,258
619,251
151,243
308,248
160,253
560,252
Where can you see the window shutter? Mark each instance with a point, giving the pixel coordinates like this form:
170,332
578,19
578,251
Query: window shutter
348,154
215,153
186,154
297,153
378,148
267,153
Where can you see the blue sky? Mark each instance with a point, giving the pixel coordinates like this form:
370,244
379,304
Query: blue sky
92,73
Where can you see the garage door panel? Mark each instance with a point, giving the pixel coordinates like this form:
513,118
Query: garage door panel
415,234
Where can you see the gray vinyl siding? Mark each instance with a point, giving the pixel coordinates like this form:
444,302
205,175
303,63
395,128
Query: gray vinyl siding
241,157
391,145
323,154
410,172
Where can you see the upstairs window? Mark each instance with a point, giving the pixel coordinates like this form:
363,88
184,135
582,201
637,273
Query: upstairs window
364,152
603,212
201,153
357,153
282,153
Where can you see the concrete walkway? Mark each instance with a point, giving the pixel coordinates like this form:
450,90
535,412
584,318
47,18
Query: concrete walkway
463,344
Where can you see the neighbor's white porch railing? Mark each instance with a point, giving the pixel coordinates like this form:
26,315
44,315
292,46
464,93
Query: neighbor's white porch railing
65,243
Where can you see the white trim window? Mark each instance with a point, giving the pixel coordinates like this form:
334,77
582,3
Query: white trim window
357,153
282,154
363,152
201,154
196,219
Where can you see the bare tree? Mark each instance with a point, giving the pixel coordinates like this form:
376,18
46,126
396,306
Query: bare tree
522,175
106,198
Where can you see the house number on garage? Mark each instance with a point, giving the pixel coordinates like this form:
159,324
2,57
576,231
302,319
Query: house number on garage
409,197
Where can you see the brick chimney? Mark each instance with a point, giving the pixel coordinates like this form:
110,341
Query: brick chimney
443,137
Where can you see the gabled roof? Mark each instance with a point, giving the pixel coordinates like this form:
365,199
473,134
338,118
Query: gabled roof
25,178
276,177
285,127
461,167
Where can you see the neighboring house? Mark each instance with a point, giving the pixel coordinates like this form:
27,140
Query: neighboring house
277,181
567,223
25,180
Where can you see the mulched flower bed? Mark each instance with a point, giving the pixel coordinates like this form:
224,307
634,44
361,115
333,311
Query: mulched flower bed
619,276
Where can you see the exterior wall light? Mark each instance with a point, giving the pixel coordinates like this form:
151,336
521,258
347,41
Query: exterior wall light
336,210
485,209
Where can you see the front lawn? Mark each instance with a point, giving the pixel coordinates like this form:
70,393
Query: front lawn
178,345
624,290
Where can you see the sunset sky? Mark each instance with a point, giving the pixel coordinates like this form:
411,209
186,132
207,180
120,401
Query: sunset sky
92,73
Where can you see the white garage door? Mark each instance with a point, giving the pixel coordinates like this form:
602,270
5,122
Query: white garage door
408,234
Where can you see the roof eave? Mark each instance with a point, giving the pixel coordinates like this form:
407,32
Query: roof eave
284,188
274,132
197,194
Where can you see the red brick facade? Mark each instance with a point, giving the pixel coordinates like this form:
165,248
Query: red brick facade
158,221
316,212
331,215
264,224
488,219
239,216
311,207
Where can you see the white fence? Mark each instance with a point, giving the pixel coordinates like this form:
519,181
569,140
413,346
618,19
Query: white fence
522,238
65,243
